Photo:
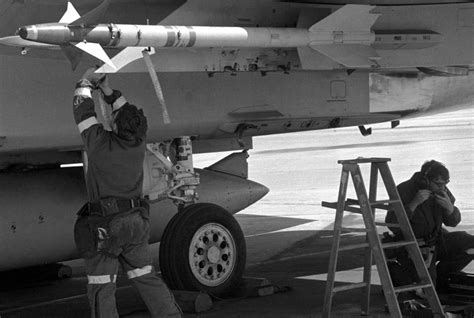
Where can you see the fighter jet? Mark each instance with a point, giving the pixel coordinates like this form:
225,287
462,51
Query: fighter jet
210,75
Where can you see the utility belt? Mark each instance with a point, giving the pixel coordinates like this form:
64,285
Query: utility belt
111,206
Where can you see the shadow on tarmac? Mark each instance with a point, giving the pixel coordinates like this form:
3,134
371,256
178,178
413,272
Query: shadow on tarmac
282,257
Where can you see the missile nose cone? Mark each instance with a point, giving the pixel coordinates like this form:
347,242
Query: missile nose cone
23,33
29,32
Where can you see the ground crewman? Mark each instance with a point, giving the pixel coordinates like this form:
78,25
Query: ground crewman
429,205
113,227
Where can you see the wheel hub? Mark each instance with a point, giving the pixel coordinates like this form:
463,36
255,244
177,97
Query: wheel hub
212,254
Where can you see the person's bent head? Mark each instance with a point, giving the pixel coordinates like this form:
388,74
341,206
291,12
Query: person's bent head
130,123
435,175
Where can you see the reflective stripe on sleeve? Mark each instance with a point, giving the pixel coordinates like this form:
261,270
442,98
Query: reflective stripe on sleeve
83,91
83,125
101,279
119,102
137,272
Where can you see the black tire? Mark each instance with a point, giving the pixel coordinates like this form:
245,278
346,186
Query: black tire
203,248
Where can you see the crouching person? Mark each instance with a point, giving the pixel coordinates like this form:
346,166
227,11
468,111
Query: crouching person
429,205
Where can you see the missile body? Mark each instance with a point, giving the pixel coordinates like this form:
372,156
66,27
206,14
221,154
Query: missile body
344,36
158,36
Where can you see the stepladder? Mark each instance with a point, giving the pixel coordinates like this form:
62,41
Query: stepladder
366,205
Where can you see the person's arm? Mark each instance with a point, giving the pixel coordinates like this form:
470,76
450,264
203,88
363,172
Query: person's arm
421,196
412,196
451,214
111,96
84,108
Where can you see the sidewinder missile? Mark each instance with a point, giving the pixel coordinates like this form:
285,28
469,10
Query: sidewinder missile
160,36
349,26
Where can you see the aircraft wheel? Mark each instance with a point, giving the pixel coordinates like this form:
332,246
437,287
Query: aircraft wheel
203,248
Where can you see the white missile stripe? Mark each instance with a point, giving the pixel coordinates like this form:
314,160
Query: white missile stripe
101,279
83,91
87,123
119,102
137,272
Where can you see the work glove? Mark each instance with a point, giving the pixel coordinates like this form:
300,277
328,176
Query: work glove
92,79
104,86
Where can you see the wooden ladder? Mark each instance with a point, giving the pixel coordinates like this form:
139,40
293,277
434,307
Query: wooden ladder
373,246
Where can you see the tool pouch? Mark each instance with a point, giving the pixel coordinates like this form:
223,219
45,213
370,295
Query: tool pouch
95,233
91,231
92,235
84,237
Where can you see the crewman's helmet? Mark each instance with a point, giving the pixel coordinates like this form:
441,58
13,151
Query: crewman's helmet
131,123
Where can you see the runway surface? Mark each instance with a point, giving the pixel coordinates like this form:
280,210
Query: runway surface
288,233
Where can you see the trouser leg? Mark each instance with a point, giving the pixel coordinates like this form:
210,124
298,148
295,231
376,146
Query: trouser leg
101,275
156,295
452,255
136,262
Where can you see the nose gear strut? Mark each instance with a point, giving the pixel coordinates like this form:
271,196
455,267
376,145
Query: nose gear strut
178,172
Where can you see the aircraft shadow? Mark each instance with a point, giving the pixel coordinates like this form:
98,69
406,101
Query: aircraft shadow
275,252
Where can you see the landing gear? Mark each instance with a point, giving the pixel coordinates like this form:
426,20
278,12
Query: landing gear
203,248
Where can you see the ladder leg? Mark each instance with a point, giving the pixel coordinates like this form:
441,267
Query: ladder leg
375,243
328,295
365,301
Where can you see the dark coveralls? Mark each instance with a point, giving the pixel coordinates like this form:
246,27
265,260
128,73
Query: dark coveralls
426,221
113,227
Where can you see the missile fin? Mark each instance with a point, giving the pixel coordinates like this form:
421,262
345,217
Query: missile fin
93,16
350,17
96,51
70,15
123,58
349,55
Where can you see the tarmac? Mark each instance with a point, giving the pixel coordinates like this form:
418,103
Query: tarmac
288,233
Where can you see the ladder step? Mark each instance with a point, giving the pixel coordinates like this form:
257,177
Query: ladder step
353,230
348,208
349,205
353,246
363,160
398,244
381,204
337,289
406,288
384,204
387,224
384,245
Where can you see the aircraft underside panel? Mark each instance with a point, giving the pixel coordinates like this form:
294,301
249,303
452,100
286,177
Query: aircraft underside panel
407,93
37,112
36,105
